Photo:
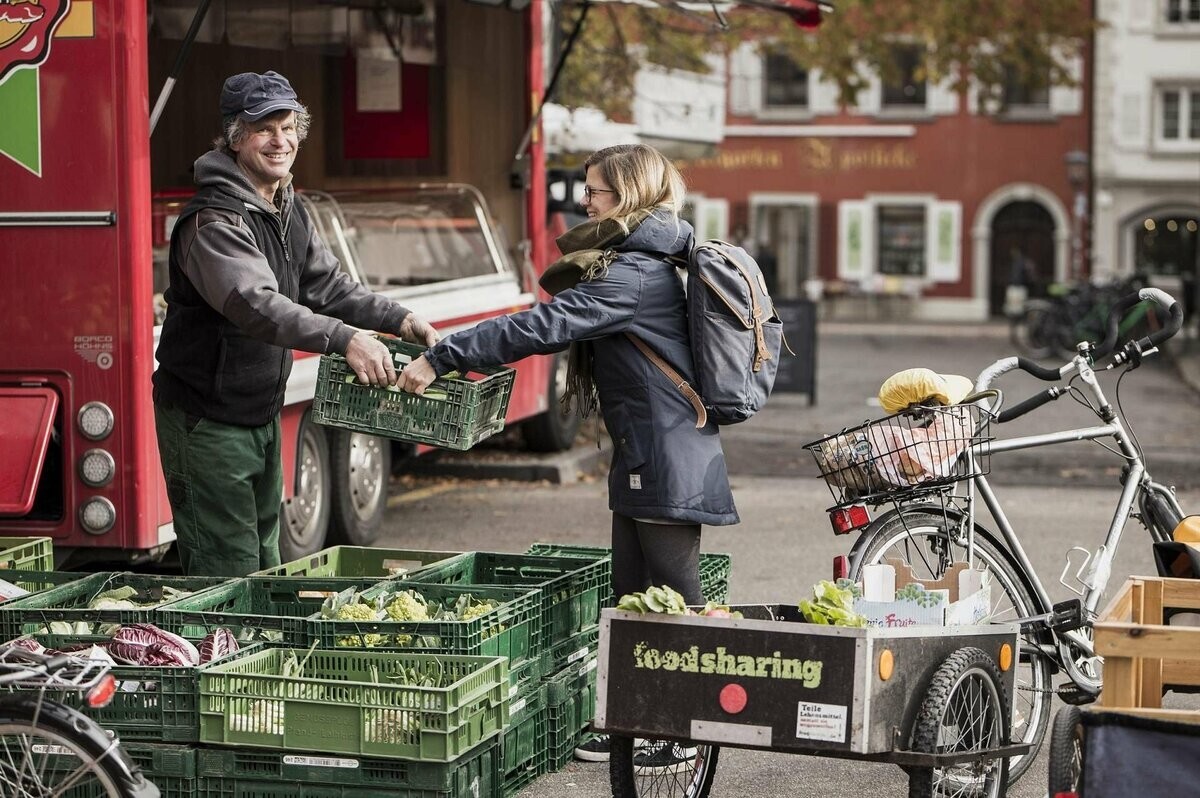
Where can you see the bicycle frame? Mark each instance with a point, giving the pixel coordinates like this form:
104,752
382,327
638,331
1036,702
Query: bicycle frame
1096,570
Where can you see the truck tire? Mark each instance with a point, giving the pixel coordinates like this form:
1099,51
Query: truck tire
304,518
360,466
554,430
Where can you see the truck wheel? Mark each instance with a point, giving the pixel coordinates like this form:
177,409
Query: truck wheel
361,467
966,708
305,516
554,430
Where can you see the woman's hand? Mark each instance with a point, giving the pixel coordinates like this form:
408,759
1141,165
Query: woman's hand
416,376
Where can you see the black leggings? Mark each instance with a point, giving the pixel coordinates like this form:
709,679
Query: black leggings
655,554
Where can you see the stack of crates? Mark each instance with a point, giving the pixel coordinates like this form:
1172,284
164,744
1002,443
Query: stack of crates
572,589
28,565
714,568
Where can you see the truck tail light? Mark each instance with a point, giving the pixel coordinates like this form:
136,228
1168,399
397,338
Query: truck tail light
847,519
97,515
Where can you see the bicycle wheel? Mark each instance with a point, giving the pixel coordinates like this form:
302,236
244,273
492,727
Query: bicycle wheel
1066,751
689,777
965,709
53,750
922,538
1037,330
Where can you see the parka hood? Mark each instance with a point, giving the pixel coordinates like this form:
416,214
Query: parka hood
661,234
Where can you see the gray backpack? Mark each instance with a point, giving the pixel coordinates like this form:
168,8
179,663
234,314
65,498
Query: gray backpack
735,335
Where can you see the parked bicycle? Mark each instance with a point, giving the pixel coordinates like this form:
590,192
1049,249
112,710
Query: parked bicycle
50,749
931,522
1051,326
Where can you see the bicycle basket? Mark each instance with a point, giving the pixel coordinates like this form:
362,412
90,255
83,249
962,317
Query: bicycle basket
916,451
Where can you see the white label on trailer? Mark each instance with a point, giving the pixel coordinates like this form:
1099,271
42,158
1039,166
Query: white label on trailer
320,761
825,722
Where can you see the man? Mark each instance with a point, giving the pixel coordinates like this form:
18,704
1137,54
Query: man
250,281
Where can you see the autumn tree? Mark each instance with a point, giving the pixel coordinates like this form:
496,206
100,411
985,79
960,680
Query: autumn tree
992,42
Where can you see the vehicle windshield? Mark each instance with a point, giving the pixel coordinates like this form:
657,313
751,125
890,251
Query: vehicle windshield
419,236
399,237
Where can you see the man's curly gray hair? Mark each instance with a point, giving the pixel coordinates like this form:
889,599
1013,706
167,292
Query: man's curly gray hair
235,129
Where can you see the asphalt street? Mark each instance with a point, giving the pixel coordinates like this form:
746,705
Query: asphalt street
1056,497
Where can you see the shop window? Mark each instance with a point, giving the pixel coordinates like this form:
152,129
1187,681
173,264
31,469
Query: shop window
1167,244
785,83
1179,116
1182,12
901,240
902,89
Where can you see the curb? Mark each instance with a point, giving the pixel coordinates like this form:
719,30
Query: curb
586,459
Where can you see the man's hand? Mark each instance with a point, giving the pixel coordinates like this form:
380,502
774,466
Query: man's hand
416,330
371,360
416,376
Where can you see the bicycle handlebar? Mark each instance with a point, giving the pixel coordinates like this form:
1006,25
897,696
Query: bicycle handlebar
1032,403
1163,300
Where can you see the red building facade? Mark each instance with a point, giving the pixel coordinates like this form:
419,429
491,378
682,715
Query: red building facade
919,201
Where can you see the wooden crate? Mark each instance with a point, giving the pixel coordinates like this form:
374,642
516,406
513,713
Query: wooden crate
1142,655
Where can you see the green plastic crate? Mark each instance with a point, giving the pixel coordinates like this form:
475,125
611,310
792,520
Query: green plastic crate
69,602
570,707
714,568
152,704
266,607
571,588
26,554
512,630
572,651
241,773
347,702
357,561
172,768
472,409
523,746
37,581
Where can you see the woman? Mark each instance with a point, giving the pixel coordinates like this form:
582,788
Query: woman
616,279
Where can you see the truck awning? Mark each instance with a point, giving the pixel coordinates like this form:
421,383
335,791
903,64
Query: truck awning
26,421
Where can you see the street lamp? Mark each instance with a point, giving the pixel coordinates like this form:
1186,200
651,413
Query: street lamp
1077,176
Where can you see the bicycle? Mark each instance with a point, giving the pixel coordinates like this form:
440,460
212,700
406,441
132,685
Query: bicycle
932,524
1046,327
50,749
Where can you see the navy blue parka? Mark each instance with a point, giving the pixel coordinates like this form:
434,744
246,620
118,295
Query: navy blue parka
663,467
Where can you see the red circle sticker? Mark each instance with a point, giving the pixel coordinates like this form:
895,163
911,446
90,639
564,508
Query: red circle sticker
733,698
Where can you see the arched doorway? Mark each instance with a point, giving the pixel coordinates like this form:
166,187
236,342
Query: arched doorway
1022,248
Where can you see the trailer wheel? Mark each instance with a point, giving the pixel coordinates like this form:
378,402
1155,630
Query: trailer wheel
1066,751
361,466
690,778
305,516
554,430
966,708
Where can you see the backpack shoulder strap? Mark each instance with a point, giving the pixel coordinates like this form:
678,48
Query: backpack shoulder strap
679,382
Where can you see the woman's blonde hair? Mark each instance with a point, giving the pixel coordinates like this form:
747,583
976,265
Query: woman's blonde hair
642,177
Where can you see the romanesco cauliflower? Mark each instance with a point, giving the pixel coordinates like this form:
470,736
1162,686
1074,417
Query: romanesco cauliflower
408,605
354,611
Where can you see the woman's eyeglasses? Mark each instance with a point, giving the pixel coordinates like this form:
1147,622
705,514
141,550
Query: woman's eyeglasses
589,193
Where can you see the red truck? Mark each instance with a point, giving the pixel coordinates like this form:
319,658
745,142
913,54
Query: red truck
423,171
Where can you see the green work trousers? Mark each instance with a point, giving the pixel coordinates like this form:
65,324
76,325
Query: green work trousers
225,485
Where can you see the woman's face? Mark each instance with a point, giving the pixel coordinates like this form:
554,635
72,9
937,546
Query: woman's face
598,196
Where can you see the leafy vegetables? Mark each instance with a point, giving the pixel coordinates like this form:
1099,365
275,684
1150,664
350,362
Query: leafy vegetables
669,602
832,605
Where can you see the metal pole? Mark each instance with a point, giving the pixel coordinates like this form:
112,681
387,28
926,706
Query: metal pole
169,86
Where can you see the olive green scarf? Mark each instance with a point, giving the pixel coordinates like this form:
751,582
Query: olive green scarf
587,255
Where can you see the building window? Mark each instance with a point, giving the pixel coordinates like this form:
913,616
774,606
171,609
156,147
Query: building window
1179,115
902,89
1183,11
901,237
1025,93
785,84
1167,244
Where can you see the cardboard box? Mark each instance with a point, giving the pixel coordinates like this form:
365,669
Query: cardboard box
962,596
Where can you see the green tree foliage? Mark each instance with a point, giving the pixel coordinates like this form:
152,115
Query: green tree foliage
993,41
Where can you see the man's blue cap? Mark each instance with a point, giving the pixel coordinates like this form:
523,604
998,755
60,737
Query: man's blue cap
252,96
